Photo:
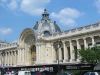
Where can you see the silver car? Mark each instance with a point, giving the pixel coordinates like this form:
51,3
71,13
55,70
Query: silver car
91,73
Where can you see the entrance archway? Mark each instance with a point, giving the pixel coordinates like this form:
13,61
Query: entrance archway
33,53
27,41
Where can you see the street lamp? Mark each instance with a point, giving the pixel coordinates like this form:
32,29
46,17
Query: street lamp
57,45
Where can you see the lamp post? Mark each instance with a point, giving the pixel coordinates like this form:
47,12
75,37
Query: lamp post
57,46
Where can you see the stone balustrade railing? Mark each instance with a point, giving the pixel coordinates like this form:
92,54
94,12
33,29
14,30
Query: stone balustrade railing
7,46
75,31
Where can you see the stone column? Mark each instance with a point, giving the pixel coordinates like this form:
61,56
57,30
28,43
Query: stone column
10,61
22,56
25,57
65,52
72,52
21,60
85,43
16,58
60,54
93,42
19,57
11,58
28,56
8,58
0,58
78,47
37,53
53,54
5,59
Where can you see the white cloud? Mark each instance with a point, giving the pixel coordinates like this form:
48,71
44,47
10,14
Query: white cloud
33,7
5,31
67,16
13,5
97,4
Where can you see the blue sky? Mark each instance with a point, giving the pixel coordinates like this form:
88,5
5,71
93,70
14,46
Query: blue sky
16,15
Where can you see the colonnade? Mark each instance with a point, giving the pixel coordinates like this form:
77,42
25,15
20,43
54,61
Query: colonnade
14,57
8,58
68,52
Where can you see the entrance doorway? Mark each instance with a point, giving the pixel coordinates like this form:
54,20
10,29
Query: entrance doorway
33,54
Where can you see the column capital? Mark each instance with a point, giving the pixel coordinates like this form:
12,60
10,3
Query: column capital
92,37
70,41
63,41
77,39
84,38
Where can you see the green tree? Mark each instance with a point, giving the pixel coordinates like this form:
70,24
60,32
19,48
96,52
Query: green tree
90,55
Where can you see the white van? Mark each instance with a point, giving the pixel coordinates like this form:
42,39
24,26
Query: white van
24,73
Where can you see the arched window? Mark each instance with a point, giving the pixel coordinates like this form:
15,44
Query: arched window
46,33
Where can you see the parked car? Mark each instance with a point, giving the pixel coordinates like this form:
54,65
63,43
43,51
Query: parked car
91,73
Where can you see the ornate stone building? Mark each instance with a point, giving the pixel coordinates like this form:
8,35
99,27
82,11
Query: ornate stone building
38,45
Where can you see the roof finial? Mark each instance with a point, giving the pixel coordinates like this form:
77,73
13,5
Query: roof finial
45,14
45,10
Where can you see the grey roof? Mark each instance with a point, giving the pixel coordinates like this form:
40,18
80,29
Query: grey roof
57,27
46,21
36,26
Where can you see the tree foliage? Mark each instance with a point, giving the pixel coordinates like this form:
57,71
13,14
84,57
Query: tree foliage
90,55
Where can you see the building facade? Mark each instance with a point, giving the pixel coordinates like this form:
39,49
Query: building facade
45,43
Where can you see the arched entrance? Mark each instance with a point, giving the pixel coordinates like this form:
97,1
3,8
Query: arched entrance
28,42
33,53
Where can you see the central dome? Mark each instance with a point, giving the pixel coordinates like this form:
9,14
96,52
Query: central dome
45,26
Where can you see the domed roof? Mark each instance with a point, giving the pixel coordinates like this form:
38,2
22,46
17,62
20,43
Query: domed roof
45,24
